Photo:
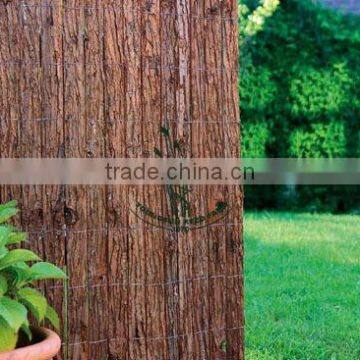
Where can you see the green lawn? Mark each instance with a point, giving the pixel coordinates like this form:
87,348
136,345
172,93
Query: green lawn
302,286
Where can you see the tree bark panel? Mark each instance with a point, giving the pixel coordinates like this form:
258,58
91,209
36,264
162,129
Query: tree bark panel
91,79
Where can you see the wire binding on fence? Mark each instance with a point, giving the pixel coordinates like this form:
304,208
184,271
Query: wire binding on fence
119,9
157,338
206,277
24,63
128,121
66,231
195,356
200,355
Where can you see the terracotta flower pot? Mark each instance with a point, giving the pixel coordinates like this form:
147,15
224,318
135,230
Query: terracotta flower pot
46,345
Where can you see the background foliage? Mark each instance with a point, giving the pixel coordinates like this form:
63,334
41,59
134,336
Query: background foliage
299,89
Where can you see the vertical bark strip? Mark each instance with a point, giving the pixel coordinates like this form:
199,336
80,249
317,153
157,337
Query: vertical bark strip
169,73
234,231
10,104
134,139
215,99
28,49
95,148
153,237
182,131
76,211
116,196
199,312
5,89
97,78
52,112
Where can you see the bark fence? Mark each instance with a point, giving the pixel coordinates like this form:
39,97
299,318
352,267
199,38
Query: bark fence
86,78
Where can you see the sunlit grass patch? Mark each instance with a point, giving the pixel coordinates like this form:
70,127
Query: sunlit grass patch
302,286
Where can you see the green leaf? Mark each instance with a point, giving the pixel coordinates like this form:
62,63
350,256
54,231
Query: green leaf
3,285
7,214
221,206
25,328
158,152
34,301
9,235
14,313
17,237
177,145
18,273
17,255
5,232
44,270
165,131
53,317
10,204
3,251
8,337
224,346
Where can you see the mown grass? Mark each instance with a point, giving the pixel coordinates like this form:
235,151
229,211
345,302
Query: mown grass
302,286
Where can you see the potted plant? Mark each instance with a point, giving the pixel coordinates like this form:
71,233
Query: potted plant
20,269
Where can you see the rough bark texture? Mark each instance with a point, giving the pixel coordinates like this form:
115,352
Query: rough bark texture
91,78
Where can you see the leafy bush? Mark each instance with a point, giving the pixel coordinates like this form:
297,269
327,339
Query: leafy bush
315,93
255,137
321,140
300,91
19,270
251,23
258,89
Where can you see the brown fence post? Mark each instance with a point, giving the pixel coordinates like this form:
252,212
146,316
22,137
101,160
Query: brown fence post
91,79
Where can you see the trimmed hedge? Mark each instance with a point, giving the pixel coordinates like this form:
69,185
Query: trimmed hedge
300,97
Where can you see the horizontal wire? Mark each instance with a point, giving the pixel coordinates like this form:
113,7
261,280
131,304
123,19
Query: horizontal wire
125,121
157,284
157,338
199,355
112,8
195,356
24,63
68,231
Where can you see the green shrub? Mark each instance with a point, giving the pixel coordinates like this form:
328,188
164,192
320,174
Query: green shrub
19,270
255,137
321,140
315,93
258,88
303,68
300,89
251,22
